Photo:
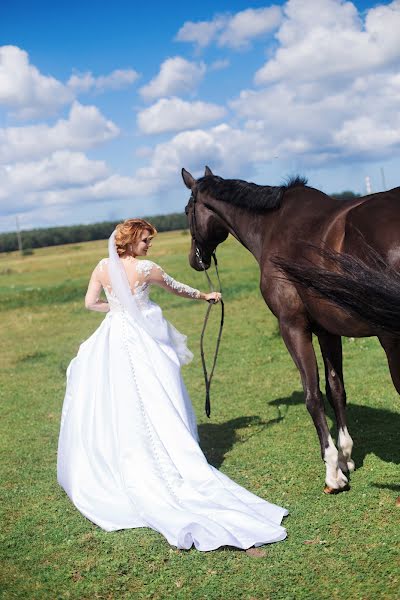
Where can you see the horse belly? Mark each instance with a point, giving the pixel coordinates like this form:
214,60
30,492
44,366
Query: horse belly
376,223
325,316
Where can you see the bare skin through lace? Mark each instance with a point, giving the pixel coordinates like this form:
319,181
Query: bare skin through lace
140,273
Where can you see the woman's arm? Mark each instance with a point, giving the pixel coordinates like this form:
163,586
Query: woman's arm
159,277
92,298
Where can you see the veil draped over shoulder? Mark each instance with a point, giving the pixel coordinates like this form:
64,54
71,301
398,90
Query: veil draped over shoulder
153,323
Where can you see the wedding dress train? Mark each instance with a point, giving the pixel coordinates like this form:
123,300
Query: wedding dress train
128,453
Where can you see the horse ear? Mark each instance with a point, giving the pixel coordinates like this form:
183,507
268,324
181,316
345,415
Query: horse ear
208,172
188,179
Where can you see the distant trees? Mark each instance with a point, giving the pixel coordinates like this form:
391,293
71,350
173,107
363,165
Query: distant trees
346,195
54,236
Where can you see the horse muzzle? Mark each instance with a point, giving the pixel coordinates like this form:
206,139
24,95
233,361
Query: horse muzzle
198,260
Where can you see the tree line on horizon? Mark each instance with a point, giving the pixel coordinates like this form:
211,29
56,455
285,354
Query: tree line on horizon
70,234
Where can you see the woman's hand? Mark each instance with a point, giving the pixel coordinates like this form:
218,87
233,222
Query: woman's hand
213,297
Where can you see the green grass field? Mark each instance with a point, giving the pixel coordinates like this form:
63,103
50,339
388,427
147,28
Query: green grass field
260,434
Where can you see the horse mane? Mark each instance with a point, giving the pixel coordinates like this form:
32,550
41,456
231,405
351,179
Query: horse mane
244,194
295,181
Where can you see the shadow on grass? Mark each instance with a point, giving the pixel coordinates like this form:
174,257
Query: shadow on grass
216,439
32,357
374,430
393,487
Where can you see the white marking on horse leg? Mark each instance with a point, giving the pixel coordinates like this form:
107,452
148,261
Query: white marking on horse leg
345,445
335,478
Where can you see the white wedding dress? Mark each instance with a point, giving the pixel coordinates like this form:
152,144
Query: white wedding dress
128,453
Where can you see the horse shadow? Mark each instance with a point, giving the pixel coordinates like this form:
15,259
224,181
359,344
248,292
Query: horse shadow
216,439
374,430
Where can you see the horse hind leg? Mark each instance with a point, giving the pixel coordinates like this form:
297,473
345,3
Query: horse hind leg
345,447
391,346
331,348
299,343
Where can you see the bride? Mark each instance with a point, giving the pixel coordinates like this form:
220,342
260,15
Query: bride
128,452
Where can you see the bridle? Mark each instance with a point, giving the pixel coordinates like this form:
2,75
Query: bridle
195,235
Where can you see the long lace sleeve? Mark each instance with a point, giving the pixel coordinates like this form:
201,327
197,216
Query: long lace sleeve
157,276
92,298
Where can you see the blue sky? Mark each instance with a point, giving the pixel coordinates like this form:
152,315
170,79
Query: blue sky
101,104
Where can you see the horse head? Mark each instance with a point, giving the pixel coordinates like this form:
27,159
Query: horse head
206,228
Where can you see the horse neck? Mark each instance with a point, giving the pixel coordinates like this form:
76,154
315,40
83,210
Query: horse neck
247,227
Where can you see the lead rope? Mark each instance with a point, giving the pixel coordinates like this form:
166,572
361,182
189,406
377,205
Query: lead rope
207,378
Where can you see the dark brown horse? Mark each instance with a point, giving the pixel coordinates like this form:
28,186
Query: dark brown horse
326,268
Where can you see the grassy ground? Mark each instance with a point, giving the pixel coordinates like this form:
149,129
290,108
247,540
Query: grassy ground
260,435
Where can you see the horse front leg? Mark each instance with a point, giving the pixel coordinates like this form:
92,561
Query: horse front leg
331,349
298,340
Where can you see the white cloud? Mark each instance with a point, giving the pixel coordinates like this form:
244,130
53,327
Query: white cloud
65,178
104,198
174,114
304,17
360,119
231,149
218,65
228,150
116,80
62,168
83,82
322,39
332,89
249,24
235,31
30,184
176,75
368,136
28,94
25,90
202,33
85,127
57,193
119,186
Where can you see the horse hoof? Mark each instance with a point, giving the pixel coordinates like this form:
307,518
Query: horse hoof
398,502
351,466
330,490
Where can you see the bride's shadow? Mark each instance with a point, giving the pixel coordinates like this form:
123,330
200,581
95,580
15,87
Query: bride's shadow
374,430
216,439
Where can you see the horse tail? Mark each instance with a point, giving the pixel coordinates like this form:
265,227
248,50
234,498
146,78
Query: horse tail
366,289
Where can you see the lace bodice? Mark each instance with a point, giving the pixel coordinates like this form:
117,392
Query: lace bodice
141,275
141,292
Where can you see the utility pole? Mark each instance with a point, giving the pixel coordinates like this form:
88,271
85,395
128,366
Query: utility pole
19,238
383,179
368,186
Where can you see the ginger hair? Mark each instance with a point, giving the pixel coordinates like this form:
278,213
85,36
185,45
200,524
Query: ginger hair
128,232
